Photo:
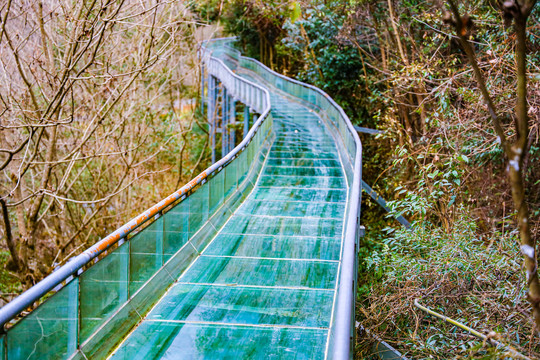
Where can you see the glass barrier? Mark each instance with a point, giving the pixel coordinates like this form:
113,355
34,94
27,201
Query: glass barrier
103,289
50,331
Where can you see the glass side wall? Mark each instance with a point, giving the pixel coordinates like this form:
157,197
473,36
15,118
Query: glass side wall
93,312
50,331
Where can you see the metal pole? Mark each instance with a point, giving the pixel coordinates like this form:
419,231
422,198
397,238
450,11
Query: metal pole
212,115
246,120
224,121
203,83
232,119
379,200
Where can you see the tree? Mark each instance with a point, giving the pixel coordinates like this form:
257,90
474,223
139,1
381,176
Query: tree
515,147
89,95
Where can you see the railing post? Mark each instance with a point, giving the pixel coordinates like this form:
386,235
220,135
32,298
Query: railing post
212,114
203,83
246,120
232,137
224,121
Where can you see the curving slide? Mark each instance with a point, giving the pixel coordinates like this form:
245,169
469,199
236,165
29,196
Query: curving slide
253,259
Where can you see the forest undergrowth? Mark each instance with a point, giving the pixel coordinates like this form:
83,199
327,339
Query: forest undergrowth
472,279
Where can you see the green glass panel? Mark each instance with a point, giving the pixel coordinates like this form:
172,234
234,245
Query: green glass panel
177,264
294,142
261,157
203,236
288,194
162,340
111,332
116,328
48,332
231,178
198,208
241,305
222,214
275,225
302,171
237,198
259,138
148,295
304,148
304,162
217,185
321,182
294,137
2,348
293,209
302,155
218,219
146,254
251,153
104,288
349,172
262,272
269,246
242,166
250,183
176,229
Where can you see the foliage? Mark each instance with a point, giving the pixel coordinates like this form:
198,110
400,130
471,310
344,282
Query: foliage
208,11
259,26
9,284
329,61
453,272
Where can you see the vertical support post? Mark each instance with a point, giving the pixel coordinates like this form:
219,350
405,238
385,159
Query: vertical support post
211,108
246,120
203,83
224,122
232,119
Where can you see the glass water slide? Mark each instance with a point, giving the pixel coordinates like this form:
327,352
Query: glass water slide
253,259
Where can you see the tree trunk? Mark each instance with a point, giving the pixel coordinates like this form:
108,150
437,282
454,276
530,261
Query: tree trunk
516,156
17,264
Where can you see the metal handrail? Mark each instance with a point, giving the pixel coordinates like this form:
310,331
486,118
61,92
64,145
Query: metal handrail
220,70
345,302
